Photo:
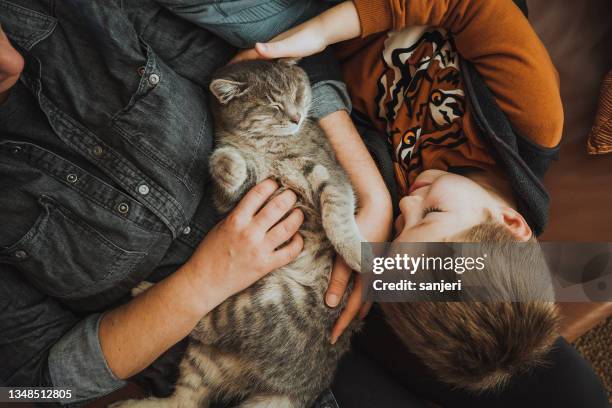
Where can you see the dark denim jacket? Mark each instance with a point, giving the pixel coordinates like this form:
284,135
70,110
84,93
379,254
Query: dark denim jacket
104,145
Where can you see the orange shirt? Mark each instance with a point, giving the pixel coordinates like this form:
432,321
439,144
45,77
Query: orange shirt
408,80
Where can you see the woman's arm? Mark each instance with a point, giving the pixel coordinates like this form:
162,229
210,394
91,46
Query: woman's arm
238,251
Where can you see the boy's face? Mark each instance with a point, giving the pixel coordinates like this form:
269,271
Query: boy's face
441,205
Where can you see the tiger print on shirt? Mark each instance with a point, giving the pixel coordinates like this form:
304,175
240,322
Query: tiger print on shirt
420,102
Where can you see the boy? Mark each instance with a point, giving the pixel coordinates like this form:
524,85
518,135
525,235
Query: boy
468,161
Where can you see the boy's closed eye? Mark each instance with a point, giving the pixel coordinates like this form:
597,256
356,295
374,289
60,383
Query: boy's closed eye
430,210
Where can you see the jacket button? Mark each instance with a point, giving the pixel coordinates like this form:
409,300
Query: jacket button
154,79
72,178
97,151
20,254
186,230
123,208
143,189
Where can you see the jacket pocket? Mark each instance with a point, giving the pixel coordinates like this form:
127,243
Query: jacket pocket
24,26
64,256
167,119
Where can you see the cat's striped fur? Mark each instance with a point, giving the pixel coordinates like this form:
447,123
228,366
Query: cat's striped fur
269,345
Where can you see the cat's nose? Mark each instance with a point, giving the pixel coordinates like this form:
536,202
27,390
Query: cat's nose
295,118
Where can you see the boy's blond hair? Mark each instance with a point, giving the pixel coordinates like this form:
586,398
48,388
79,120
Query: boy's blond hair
480,345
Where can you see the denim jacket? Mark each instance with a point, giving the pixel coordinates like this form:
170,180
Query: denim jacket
104,146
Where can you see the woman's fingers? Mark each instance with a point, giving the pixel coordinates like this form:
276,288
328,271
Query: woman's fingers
280,233
255,199
353,306
287,253
338,282
276,209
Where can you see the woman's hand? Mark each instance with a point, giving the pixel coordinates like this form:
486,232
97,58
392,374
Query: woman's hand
11,66
337,24
250,242
245,246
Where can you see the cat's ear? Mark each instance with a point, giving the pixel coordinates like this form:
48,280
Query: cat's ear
290,61
226,89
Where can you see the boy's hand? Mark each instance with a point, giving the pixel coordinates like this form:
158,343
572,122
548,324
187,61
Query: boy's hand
375,225
11,65
337,24
374,216
338,283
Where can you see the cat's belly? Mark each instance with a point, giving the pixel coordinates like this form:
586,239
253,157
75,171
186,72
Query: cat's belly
280,327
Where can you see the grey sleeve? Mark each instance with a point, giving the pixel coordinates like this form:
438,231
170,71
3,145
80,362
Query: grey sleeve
42,344
76,361
329,93
329,96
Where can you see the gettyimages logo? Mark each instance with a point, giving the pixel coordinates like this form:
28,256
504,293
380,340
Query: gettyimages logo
413,264
488,272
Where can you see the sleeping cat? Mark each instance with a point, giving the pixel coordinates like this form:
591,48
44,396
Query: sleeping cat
268,346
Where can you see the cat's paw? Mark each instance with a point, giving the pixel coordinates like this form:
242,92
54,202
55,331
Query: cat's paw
356,254
229,169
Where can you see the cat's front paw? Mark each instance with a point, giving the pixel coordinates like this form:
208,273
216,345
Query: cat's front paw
229,169
356,253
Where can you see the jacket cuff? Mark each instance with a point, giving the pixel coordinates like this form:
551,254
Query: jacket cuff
76,361
329,97
374,15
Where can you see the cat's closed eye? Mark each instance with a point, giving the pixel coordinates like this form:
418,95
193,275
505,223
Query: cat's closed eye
278,106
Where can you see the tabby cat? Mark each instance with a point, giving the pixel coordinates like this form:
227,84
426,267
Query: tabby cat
269,345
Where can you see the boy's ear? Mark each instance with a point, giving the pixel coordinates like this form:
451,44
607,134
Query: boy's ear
516,224
226,89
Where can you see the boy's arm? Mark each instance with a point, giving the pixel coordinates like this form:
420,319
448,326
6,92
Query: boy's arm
494,35
497,38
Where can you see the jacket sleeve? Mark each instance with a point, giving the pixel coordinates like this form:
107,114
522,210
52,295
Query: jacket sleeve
42,344
497,38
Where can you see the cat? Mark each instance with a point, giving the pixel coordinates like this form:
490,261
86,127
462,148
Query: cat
269,345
